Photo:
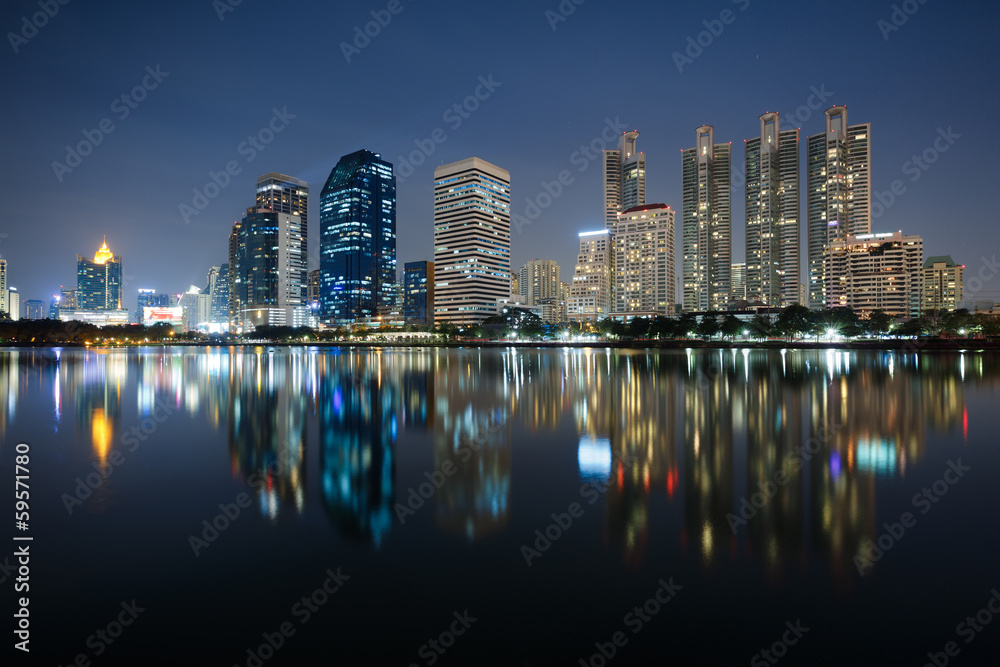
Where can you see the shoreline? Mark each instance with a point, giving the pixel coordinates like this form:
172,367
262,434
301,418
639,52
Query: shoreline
914,345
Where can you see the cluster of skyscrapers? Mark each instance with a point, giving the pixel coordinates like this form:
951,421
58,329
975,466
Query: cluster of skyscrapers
623,270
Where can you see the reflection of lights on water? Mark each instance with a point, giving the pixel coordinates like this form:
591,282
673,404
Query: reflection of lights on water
834,465
101,433
707,544
878,456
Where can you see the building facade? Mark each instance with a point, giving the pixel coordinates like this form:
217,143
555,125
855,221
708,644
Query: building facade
643,242
590,294
869,272
738,281
772,214
471,240
540,280
418,293
271,270
99,281
358,239
13,304
706,224
624,177
942,284
838,166
34,309
3,285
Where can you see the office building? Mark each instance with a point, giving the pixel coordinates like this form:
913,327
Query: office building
235,280
624,177
471,240
196,307
218,290
772,214
738,280
284,194
314,283
540,280
838,168
3,285
643,242
358,239
13,304
868,272
942,284
99,280
271,270
148,298
34,309
590,294
706,224
418,293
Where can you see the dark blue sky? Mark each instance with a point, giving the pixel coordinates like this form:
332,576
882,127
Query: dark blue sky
556,88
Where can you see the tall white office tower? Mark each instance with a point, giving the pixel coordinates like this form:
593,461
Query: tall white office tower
706,222
590,291
772,214
839,200
471,240
624,177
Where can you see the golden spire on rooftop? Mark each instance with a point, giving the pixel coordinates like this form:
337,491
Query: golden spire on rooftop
104,253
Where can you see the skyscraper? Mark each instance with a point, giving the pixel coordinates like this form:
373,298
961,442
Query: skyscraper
13,304
471,240
99,281
217,288
357,221
590,294
706,222
839,199
624,177
643,240
539,281
738,282
418,293
287,194
34,309
876,271
235,280
942,284
271,267
772,214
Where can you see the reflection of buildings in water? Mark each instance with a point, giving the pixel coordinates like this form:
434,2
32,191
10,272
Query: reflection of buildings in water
95,381
358,428
474,394
9,386
266,421
540,388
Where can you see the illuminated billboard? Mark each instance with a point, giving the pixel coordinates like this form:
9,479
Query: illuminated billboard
158,314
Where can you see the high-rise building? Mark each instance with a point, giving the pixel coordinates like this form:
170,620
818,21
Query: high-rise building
13,304
217,288
772,214
738,279
624,177
34,309
418,293
358,239
868,272
471,240
839,201
515,284
942,284
314,290
271,267
643,241
706,222
235,279
590,294
287,194
99,281
540,280
3,285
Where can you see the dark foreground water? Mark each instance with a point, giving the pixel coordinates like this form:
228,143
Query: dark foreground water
303,506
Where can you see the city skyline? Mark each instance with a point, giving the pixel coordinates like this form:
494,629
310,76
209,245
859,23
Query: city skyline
157,156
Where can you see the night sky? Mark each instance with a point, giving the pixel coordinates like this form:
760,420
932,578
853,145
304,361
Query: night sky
221,81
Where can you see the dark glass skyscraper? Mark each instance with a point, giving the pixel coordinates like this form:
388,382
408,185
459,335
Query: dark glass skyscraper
418,293
357,228
99,281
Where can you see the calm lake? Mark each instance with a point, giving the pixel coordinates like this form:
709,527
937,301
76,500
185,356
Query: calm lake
325,506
